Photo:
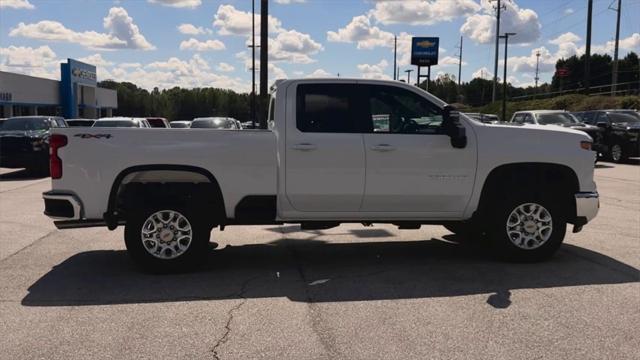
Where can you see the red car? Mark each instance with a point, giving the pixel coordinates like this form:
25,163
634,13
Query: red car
158,122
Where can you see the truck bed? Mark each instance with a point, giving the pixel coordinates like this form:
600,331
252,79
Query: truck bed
242,161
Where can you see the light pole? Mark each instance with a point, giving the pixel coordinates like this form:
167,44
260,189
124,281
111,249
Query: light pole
504,76
408,75
253,64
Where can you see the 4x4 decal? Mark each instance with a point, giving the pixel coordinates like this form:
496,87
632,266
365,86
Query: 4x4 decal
92,136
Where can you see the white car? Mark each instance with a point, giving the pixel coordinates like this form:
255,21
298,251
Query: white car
122,122
324,162
180,124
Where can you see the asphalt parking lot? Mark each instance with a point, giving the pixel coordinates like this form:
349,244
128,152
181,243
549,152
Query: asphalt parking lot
352,292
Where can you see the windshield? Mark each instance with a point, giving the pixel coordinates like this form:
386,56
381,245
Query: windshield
213,124
22,124
115,123
626,117
557,118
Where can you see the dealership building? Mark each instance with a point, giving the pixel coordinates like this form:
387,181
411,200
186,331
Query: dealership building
76,95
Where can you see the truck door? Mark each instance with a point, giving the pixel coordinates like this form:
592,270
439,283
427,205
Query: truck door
325,163
411,164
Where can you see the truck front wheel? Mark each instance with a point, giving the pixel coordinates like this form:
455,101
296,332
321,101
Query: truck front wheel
166,239
526,228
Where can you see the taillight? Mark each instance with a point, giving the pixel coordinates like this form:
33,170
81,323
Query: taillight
56,141
585,145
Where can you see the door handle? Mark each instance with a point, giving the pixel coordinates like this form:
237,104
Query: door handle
304,147
383,147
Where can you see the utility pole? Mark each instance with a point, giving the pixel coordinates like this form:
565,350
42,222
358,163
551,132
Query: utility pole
504,79
253,64
264,59
587,53
614,73
537,71
495,67
395,55
408,75
460,62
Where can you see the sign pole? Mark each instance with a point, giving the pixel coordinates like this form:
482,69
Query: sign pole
418,82
428,76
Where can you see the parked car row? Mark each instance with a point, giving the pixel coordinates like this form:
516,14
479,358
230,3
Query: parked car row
615,133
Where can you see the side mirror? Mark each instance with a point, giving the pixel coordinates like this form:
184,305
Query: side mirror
603,125
453,128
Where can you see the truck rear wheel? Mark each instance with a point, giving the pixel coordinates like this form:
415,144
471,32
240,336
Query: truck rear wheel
526,228
166,239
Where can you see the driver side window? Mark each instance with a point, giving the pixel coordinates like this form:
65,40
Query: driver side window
400,111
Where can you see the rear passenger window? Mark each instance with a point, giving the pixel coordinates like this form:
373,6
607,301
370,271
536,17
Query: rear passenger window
518,118
326,108
528,119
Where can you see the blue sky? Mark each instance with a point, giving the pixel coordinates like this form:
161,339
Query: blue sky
194,43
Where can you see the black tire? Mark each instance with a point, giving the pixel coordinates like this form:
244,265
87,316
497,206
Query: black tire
189,260
617,153
506,249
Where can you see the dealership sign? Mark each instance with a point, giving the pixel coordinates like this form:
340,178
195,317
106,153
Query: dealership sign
83,74
424,51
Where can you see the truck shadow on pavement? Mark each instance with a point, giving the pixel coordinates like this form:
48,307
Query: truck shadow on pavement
316,271
20,175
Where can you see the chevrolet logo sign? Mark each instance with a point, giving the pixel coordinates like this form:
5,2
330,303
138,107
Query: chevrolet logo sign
425,44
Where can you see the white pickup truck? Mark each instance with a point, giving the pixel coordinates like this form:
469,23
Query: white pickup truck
337,151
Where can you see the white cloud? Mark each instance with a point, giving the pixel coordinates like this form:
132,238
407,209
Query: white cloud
27,56
293,46
631,43
130,65
231,21
416,12
320,73
367,36
40,61
275,73
96,59
450,60
374,71
16,4
363,33
566,44
191,73
190,29
178,3
121,25
224,67
122,33
196,45
481,27
483,73
527,64
568,11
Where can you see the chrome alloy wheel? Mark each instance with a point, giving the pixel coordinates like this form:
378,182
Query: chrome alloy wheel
166,234
529,226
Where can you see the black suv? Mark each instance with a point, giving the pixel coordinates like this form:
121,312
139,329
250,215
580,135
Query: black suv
621,131
24,142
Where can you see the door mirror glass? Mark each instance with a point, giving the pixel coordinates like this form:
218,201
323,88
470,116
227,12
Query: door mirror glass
453,128
603,125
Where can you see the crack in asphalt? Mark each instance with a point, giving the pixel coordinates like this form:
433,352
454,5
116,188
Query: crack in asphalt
36,241
230,314
328,347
